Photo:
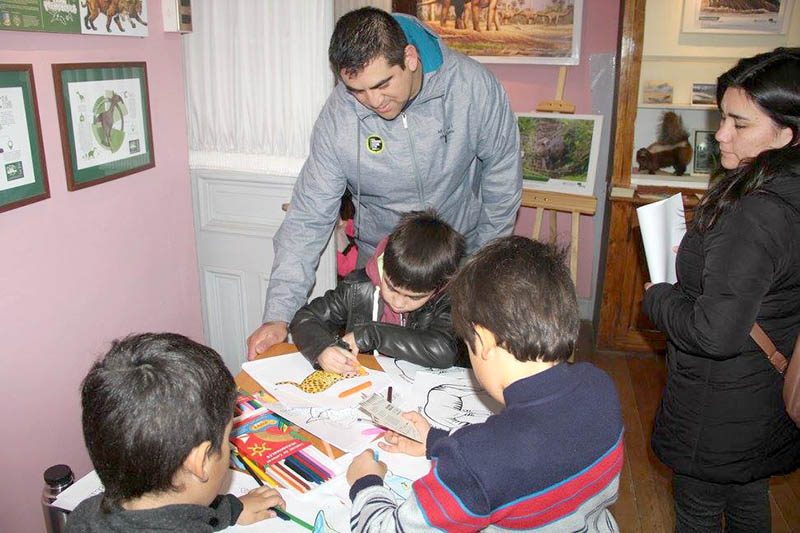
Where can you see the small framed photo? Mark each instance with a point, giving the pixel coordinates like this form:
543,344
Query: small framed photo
737,17
559,152
657,92
704,94
706,152
104,114
23,174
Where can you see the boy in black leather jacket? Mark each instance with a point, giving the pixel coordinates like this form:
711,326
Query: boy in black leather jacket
396,306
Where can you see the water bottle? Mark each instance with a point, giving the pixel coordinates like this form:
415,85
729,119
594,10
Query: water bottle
56,479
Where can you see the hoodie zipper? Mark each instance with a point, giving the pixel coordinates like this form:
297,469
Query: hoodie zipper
420,191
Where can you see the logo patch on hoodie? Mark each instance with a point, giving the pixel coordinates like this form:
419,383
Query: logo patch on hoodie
374,144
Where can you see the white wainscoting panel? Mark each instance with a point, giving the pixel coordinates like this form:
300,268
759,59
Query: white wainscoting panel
225,313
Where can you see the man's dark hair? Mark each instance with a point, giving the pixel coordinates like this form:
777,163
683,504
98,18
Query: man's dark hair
146,404
363,35
422,252
521,291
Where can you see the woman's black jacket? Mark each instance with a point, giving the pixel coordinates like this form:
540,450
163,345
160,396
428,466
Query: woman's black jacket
722,417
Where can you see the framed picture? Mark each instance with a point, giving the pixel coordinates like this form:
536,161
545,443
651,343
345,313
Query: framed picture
706,152
123,18
23,174
104,114
657,92
508,31
559,152
704,94
737,16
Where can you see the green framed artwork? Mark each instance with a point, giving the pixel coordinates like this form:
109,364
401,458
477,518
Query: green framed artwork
104,116
23,174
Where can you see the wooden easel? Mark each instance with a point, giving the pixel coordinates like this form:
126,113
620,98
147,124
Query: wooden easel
559,105
554,202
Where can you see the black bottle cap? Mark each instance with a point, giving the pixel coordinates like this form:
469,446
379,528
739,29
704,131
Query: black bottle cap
58,475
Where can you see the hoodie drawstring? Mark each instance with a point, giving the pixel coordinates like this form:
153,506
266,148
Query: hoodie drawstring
376,296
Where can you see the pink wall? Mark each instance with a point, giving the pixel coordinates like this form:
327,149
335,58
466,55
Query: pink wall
84,267
528,85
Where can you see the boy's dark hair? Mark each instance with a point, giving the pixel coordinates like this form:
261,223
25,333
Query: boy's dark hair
521,291
363,35
422,252
146,404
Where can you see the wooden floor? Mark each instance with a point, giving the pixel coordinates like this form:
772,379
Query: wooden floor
645,500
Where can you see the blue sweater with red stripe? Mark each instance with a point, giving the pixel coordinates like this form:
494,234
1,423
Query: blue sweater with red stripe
550,461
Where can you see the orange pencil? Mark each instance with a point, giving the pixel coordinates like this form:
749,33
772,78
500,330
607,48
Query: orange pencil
355,389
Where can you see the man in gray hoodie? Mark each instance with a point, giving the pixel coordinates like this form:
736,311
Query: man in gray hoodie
411,125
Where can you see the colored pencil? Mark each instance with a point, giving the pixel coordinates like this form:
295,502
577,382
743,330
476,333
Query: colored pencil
254,469
311,465
389,394
289,516
252,473
303,470
355,389
327,473
294,475
328,449
290,478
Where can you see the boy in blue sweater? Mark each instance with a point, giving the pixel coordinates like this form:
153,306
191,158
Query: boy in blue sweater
157,414
551,460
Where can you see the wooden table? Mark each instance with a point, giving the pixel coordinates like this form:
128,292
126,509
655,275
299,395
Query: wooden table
247,383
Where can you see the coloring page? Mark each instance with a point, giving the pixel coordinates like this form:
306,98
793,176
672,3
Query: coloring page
295,383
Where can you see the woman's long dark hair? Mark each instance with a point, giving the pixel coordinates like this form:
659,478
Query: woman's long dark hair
771,81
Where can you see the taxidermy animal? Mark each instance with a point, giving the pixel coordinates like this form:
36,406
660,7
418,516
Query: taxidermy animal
106,118
110,8
671,150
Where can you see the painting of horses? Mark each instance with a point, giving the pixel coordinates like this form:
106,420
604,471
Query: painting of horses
559,152
508,31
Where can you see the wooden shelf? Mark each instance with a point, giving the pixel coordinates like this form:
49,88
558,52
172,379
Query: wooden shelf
682,107
670,180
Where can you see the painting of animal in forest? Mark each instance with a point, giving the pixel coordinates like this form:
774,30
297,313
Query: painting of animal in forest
105,115
559,152
114,17
508,31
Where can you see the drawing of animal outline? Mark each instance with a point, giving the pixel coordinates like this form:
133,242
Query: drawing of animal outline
409,370
110,8
455,405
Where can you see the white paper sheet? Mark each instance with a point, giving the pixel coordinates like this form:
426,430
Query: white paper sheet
271,372
85,487
663,225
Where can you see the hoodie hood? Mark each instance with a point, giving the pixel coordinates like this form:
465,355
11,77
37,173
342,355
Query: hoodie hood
374,270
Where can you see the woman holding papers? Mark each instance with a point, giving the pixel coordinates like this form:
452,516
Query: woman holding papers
722,426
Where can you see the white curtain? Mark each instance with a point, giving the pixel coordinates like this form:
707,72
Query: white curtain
257,75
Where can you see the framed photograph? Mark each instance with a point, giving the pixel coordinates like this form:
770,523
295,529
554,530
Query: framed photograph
704,94
23,174
737,16
559,152
657,92
706,152
104,115
508,31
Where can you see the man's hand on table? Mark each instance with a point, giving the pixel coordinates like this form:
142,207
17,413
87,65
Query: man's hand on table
267,335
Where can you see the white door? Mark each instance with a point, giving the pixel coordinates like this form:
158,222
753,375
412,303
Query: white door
236,214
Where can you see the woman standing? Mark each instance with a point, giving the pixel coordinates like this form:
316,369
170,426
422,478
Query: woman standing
722,426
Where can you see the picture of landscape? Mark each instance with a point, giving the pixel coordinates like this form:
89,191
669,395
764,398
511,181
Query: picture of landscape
508,31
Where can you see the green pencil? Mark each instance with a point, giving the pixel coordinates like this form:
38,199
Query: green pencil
293,518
